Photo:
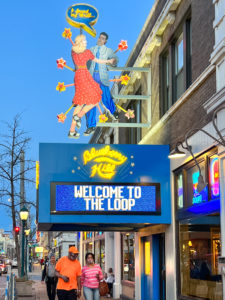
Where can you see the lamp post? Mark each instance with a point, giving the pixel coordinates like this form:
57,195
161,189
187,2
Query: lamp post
23,216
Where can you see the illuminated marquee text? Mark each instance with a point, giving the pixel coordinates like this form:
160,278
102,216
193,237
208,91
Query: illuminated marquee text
105,161
113,195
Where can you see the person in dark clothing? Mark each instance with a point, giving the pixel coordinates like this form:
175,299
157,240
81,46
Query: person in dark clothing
50,278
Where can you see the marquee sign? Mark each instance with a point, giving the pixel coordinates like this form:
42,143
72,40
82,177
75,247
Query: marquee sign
90,198
87,186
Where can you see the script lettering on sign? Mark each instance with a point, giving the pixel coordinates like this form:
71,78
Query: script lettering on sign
105,161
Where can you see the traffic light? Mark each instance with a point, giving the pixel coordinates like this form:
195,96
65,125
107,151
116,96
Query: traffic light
17,230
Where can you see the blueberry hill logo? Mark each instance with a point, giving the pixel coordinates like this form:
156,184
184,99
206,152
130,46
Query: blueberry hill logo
105,161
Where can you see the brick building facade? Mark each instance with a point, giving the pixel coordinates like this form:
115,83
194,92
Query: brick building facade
183,45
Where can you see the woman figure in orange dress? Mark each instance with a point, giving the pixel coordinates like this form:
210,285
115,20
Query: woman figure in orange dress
87,91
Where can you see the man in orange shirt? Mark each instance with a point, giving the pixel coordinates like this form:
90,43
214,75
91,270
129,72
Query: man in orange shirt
68,270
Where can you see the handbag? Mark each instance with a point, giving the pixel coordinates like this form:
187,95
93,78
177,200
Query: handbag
103,288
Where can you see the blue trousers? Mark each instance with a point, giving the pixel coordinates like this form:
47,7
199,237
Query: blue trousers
106,100
91,294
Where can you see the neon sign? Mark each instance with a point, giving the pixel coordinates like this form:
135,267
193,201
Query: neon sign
105,161
198,197
180,191
214,177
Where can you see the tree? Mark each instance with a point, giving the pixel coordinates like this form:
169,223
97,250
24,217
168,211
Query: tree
13,143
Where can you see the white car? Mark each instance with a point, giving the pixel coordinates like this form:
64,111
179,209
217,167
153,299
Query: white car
14,263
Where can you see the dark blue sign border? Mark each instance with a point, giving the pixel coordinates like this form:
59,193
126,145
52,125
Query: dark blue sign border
53,199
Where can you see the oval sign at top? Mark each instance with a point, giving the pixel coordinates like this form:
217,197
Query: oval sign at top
82,15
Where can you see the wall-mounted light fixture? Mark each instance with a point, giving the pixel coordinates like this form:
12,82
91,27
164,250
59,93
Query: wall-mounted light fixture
175,153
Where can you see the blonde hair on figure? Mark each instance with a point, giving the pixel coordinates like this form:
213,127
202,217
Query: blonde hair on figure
79,45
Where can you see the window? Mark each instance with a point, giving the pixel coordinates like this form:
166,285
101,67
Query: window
179,67
186,180
166,82
180,191
200,247
193,196
128,271
198,229
99,251
176,67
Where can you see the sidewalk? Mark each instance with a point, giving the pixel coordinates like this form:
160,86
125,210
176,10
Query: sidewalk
39,288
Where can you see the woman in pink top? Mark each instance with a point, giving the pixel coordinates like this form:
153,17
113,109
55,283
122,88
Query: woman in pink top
91,275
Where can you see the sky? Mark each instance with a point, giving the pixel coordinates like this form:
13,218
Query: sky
31,41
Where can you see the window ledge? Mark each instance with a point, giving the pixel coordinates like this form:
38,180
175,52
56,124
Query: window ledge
193,87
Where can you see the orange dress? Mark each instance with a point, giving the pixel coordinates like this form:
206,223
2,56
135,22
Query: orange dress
87,90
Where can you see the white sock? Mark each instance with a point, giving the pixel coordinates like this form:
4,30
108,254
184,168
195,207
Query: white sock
72,132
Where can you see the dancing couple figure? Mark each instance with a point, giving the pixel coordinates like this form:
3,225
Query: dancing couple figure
88,92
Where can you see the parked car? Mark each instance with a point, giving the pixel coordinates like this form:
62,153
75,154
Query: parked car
14,263
3,266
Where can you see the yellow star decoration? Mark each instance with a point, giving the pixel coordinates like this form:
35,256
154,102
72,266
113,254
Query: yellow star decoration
67,33
60,87
103,118
61,118
125,79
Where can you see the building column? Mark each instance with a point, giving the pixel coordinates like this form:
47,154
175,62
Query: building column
109,251
137,266
81,249
117,265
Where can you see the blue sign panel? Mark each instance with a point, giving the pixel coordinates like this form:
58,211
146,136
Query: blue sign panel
96,169
105,198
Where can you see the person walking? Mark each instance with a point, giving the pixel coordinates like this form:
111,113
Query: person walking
110,279
68,271
90,278
101,76
48,275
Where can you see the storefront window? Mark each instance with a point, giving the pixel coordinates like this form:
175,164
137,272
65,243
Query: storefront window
128,271
102,250
180,191
100,253
97,252
193,196
200,247
89,247
214,177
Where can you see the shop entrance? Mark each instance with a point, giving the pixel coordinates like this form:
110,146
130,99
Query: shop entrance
153,267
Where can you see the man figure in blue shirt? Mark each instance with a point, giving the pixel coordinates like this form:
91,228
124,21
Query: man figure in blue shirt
100,75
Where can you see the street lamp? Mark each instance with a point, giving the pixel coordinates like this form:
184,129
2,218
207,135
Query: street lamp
175,153
23,216
27,232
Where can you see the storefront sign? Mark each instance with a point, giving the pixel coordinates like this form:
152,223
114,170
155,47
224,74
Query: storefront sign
84,16
86,185
105,198
39,249
104,161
